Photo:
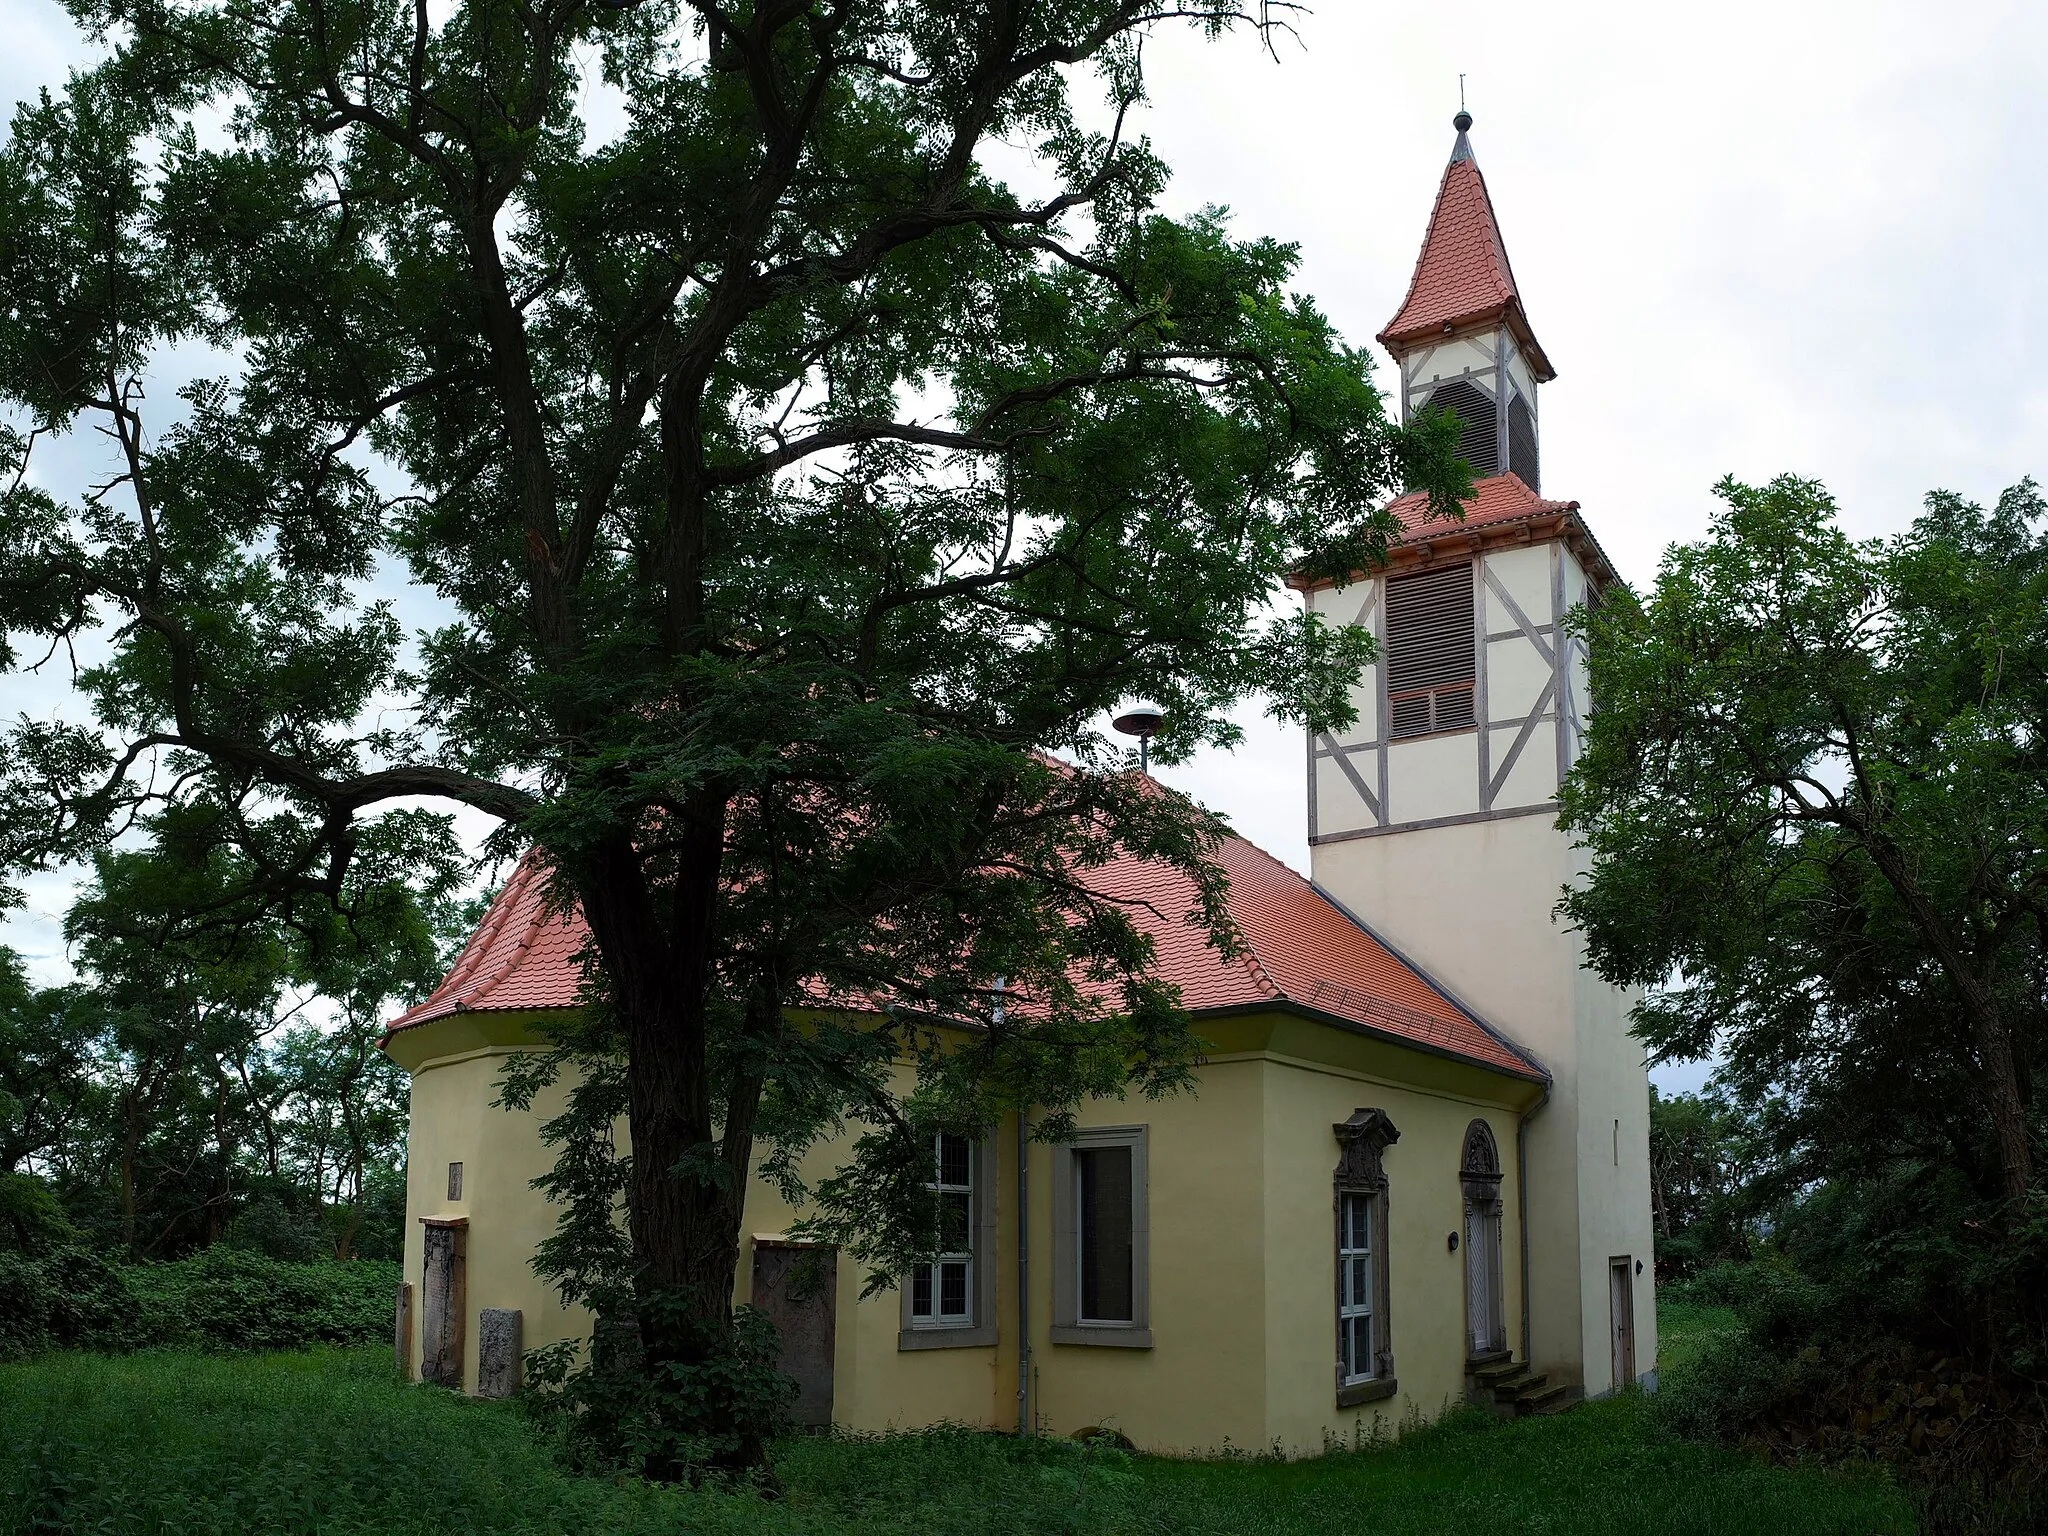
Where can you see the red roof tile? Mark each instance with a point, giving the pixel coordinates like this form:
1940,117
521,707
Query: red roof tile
1496,499
1298,947
1462,273
520,957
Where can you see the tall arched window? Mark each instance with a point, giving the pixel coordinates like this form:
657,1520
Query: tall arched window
1485,1306
1479,434
1365,1350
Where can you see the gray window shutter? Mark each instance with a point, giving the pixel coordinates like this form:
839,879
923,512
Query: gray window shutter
1479,434
1430,650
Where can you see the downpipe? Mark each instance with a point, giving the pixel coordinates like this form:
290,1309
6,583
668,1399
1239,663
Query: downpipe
1522,1210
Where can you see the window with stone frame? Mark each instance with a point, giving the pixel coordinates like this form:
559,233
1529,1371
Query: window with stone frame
949,1302
1365,1352
1100,1239
942,1292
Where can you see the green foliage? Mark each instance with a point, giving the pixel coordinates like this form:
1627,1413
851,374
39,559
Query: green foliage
1816,797
222,1299
689,1417
31,1216
1702,1182
70,1298
327,1443
227,1299
211,1082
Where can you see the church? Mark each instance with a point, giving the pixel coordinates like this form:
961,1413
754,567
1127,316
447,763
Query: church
1415,1169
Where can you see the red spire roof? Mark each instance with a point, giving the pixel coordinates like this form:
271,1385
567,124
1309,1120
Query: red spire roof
1462,274
1298,948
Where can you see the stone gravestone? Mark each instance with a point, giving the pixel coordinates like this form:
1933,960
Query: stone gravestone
403,1327
497,1352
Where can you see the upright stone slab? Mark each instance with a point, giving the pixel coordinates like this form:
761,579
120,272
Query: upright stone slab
497,1352
402,1327
443,1301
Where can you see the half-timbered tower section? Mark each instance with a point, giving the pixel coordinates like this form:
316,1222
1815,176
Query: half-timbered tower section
1434,816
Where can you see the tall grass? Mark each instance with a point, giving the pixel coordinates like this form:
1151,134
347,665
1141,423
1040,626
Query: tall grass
327,1442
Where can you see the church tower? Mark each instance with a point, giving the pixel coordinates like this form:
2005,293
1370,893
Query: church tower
1433,818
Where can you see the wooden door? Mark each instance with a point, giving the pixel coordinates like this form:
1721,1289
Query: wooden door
797,1286
1622,1304
444,1297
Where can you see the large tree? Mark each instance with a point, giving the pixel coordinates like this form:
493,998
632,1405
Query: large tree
1815,792
786,479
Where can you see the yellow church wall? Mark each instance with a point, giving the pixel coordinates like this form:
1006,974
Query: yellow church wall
455,1066
1426,1280
1242,1261
1201,1386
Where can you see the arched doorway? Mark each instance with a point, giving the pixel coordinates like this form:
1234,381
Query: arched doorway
1485,1308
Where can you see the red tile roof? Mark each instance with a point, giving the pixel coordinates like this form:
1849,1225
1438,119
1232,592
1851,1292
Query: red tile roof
1462,273
1496,499
1298,947
520,957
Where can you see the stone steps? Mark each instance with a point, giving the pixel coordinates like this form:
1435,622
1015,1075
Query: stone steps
1511,1389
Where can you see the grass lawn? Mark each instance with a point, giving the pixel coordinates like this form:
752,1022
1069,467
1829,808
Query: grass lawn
328,1442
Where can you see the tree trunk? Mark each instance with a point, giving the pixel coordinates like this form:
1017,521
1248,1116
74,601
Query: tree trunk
217,1206
686,1197
1997,1071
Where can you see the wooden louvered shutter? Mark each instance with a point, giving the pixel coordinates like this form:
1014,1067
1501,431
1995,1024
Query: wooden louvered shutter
1522,442
1430,650
1479,434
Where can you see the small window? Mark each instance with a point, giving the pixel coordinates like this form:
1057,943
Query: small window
1102,1202
1100,1239
942,1292
1479,430
1431,651
455,1181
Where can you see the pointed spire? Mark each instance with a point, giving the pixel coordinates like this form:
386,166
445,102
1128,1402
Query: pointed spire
1462,150
1462,275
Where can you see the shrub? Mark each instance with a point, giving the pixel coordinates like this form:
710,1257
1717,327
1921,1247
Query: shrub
225,1298
66,1298
221,1299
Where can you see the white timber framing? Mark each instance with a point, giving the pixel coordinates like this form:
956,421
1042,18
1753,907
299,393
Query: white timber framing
1362,766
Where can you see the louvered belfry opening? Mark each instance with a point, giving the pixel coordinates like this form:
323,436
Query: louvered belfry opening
1430,651
1522,442
1479,434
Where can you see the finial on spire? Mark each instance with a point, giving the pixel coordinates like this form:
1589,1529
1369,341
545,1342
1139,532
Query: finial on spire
1462,150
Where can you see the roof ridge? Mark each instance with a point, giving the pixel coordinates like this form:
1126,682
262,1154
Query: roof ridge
521,947
471,959
1519,1051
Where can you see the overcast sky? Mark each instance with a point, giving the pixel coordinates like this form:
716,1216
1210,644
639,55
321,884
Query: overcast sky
1752,237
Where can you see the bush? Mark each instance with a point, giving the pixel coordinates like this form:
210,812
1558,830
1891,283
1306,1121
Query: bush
66,1298
224,1298
221,1299
1825,1368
